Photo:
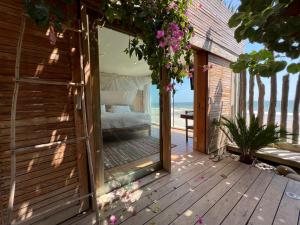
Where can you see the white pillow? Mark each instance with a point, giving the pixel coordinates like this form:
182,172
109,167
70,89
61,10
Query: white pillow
120,108
103,109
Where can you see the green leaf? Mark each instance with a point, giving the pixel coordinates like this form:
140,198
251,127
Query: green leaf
293,68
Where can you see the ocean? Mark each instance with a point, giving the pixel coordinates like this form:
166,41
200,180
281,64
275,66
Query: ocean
181,107
189,106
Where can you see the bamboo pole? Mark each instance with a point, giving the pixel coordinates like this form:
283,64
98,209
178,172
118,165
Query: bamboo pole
251,95
13,124
273,100
261,96
284,101
49,82
296,113
49,145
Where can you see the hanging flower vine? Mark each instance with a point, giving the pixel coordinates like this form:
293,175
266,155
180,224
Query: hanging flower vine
160,28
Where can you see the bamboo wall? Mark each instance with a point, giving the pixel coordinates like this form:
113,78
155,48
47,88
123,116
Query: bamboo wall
47,176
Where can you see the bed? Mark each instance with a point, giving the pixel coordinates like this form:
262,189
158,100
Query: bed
125,121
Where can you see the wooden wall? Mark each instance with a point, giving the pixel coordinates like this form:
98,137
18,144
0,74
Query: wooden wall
220,99
47,176
209,19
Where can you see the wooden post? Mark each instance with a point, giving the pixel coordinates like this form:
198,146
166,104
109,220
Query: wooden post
296,113
273,100
200,102
251,95
284,101
261,99
92,76
10,210
165,122
242,99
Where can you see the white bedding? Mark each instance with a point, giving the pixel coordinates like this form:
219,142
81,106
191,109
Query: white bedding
124,120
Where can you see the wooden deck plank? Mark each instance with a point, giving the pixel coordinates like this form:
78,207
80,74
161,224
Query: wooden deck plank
160,202
265,211
190,215
288,211
227,193
157,190
193,194
180,165
245,207
219,211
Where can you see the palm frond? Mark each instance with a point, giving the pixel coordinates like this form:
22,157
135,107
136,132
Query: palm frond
252,137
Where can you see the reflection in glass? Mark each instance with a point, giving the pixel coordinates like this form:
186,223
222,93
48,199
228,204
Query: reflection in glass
129,111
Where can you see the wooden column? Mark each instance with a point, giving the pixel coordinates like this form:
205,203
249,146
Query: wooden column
92,77
165,122
242,97
200,101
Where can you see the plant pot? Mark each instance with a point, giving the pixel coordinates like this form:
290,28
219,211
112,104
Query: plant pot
246,158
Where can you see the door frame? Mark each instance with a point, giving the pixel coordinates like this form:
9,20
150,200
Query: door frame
92,70
200,140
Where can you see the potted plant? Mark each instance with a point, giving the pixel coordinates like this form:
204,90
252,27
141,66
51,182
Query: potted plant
249,138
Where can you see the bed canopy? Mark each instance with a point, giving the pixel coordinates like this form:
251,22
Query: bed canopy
124,80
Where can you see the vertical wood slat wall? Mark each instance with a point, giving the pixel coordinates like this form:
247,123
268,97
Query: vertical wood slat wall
209,19
220,98
45,113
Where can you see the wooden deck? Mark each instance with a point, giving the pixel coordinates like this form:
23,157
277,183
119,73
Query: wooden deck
226,192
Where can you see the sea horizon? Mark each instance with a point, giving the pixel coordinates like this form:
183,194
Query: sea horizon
190,106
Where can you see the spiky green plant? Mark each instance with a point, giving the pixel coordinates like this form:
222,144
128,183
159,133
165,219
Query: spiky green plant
249,138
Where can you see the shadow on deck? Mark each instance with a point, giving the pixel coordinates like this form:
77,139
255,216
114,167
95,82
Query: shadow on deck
200,191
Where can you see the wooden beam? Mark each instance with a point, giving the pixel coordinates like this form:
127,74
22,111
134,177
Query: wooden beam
165,122
200,102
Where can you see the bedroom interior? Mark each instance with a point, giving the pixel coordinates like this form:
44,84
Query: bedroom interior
130,125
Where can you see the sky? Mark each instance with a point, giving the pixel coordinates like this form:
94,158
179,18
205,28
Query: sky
184,94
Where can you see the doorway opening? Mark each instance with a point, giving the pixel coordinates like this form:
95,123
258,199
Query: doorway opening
130,115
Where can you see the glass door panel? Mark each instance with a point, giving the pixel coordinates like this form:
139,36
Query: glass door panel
130,112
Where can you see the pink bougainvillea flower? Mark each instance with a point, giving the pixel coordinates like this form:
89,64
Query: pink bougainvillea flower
168,65
173,27
172,5
199,220
188,46
170,87
52,36
200,6
175,47
204,68
113,219
162,44
160,34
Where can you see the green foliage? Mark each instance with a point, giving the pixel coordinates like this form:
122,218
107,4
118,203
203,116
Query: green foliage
273,23
47,13
143,19
252,137
262,63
